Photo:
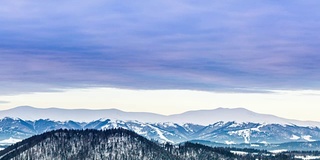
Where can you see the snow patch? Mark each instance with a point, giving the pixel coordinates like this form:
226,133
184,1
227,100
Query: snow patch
139,130
169,124
161,136
239,152
294,137
188,128
230,142
234,125
278,151
255,129
10,141
308,138
258,128
245,133
308,157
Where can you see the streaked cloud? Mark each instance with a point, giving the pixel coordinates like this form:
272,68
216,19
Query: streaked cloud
231,46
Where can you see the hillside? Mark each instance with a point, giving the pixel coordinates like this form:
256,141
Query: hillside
107,145
86,144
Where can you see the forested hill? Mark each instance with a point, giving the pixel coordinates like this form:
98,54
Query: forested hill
86,144
112,144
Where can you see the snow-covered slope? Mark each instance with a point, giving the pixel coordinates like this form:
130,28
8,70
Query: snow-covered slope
219,132
201,117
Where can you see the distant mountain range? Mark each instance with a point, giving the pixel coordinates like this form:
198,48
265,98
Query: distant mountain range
224,134
234,131
201,117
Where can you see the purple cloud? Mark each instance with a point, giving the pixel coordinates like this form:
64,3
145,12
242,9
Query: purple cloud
208,45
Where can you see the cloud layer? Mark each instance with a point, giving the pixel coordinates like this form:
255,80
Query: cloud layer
208,45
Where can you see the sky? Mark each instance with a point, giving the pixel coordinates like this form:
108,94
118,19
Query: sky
162,56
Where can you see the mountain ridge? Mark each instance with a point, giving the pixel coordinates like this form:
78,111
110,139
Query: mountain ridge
201,117
220,132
